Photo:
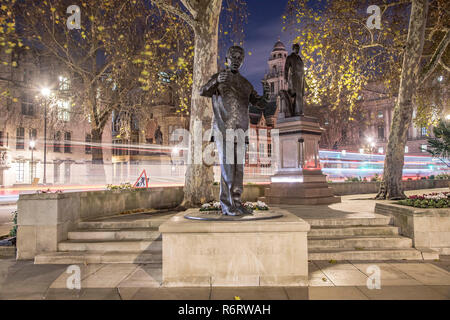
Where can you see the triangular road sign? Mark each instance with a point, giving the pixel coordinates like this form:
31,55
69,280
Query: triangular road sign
142,181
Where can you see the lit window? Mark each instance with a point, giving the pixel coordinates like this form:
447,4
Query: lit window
406,149
20,138
423,147
380,150
64,83
64,110
67,142
361,150
20,171
423,131
262,150
380,114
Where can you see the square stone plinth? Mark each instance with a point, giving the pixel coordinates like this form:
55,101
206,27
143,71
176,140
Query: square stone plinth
235,253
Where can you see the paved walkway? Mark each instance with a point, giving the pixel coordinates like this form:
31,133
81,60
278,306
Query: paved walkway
328,279
340,280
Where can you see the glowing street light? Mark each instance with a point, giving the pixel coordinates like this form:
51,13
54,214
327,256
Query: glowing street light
370,140
45,92
447,117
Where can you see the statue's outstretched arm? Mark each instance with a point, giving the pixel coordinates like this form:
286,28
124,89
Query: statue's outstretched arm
210,87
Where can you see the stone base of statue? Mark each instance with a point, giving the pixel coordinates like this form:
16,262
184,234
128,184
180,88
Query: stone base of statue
299,179
262,252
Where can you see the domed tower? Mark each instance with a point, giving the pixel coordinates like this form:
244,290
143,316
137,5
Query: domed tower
275,74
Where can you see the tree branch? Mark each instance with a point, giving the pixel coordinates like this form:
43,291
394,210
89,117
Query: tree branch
434,61
443,65
176,11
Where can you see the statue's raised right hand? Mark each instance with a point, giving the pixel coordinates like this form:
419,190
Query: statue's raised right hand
223,77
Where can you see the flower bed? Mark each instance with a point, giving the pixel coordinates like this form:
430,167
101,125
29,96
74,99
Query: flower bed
215,206
430,200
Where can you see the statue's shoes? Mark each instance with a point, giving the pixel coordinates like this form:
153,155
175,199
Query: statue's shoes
243,210
233,213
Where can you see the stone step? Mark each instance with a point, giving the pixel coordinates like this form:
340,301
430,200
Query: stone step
113,246
367,254
360,243
337,222
7,251
99,257
354,231
302,201
115,234
126,224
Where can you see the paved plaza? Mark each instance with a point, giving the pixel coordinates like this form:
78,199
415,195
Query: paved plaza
328,279
341,280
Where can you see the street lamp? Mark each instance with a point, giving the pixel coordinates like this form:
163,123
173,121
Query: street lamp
45,92
32,146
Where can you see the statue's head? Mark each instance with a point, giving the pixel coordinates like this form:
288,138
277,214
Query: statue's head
296,48
235,58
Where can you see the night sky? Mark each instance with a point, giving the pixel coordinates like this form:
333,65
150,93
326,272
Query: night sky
262,31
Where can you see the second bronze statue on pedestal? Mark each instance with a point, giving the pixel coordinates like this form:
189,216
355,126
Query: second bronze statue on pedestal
231,95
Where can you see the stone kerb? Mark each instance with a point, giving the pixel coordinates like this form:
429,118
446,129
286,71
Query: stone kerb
429,228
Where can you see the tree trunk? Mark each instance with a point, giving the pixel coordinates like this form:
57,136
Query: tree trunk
97,172
391,187
199,176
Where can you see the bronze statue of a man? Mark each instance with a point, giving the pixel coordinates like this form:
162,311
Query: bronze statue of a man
231,94
294,74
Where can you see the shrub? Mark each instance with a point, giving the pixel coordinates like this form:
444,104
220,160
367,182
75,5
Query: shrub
430,200
13,232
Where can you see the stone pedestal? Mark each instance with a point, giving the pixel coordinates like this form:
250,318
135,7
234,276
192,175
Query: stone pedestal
235,253
299,179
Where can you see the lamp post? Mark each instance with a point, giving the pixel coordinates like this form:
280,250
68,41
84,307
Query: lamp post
45,93
32,145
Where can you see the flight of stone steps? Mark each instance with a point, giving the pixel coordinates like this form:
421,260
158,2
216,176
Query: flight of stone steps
132,238
135,239
371,238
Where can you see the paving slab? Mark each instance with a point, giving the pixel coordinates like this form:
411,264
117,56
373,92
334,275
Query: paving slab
342,273
297,293
336,293
24,280
425,273
170,294
143,276
403,293
85,271
249,293
443,262
444,290
109,276
390,276
316,276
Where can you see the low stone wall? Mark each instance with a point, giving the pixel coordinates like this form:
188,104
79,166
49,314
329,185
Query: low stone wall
44,219
346,188
429,228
